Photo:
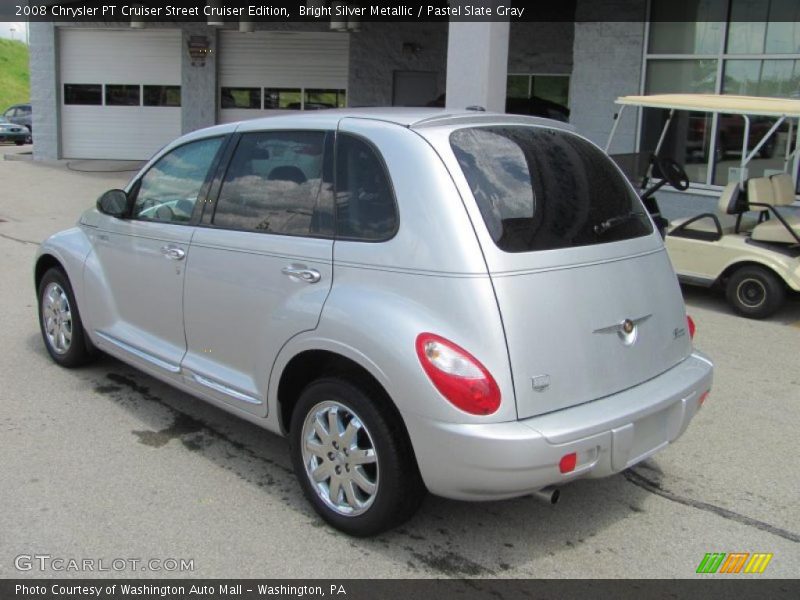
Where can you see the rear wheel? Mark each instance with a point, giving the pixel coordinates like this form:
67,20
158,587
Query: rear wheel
353,459
60,321
755,292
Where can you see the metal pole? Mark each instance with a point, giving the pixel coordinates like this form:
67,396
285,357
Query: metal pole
664,131
743,162
796,154
764,139
617,119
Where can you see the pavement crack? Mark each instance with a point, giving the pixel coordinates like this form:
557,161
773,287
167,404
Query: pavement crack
655,487
18,240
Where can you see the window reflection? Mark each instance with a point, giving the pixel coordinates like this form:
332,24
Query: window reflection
169,190
273,184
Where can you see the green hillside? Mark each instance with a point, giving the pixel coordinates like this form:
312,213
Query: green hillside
15,78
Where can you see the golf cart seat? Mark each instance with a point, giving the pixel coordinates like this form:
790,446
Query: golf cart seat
731,203
775,191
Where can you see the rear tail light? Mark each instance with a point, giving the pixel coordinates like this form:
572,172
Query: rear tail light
692,328
703,397
458,375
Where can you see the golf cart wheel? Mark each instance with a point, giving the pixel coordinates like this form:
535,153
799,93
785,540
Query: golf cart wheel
755,292
60,322
353,459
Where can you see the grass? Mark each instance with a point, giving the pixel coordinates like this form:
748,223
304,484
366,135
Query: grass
15,81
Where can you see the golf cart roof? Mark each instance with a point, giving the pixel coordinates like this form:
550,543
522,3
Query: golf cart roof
740,105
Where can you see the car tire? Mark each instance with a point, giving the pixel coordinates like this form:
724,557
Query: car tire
755,292
367,477
60,322
19,142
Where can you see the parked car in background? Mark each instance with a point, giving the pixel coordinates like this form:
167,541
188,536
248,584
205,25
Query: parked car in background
21,114
467,303
11,132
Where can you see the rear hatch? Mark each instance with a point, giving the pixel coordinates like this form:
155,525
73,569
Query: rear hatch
587,295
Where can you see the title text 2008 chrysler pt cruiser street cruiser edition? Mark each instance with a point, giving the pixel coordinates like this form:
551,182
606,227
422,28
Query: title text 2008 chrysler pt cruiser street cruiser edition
469,303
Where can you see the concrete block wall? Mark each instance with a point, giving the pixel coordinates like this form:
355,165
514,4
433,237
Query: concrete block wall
45,95
541,48
198,83
377,51
607,58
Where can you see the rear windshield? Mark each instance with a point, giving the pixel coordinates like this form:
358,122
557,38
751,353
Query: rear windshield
541,189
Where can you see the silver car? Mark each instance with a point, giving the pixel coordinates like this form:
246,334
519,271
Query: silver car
472,304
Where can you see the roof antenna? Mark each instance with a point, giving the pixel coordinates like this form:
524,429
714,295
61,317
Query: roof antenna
476,108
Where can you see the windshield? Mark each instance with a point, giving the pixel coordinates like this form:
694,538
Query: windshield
542,189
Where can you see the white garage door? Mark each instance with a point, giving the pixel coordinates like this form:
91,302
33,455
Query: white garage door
266,71
120,92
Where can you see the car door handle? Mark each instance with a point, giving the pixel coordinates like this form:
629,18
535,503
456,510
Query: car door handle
301,273
173,252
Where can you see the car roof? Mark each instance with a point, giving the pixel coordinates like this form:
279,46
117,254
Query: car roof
414,118
411,117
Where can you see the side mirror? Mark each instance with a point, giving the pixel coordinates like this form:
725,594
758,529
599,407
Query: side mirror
113,203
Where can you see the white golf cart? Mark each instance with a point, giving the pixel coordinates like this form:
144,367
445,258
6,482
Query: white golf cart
749,247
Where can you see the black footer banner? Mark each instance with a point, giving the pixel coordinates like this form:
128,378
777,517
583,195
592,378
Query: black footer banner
398,589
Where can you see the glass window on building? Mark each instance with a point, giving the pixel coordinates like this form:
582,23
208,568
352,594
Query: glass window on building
538,95
283,98
722,47
240,98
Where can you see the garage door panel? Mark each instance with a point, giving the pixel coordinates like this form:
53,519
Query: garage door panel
117,132
268,59
283,60
121,56
118,56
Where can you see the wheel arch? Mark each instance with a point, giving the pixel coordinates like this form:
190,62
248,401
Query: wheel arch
44,263
730,269
308,364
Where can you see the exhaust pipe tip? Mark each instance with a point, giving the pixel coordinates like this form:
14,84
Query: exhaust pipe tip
548,495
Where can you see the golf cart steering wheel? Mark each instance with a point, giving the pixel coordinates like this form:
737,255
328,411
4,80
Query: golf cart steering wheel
673,173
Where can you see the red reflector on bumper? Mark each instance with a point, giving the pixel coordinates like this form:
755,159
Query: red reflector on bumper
567,463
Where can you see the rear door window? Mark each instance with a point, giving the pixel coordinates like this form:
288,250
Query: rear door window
365,204
542,189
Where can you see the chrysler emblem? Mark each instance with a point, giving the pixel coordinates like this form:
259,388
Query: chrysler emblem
627,330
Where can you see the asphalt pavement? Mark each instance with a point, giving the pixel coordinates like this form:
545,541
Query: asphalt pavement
105,463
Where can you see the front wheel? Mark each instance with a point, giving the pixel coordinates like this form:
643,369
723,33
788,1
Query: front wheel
60,321
755,292
353,458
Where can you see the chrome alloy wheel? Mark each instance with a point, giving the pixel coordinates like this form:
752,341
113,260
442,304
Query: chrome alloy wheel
339,458
57,318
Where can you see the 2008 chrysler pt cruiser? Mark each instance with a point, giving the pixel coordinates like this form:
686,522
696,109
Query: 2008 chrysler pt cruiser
467,303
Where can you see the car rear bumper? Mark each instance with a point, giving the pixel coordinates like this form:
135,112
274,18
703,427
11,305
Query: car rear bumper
504,460
13,137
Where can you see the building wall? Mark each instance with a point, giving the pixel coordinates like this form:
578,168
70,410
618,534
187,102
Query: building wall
541,48
198,83
45,97
380,49
376,51
607,58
